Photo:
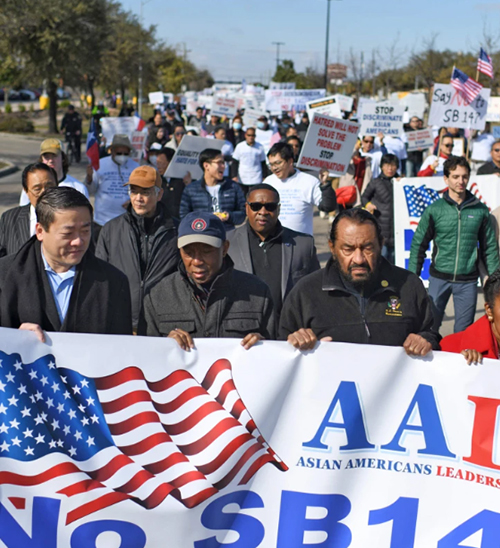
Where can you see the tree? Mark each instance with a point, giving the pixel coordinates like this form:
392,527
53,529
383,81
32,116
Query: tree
50,38
285,72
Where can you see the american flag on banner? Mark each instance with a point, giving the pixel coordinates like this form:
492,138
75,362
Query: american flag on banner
418,198
121,437
466,86
485,64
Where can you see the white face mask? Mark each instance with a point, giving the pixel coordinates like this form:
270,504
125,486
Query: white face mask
121,159
153,160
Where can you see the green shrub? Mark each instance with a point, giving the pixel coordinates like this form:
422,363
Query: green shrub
21,108
16,124
8,108
32,108
64,103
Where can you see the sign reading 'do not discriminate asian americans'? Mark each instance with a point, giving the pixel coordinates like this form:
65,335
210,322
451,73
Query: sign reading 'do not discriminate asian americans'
186,156
450,109
386,118
328,144
124,441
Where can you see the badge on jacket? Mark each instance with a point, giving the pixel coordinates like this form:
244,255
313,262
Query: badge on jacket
394,307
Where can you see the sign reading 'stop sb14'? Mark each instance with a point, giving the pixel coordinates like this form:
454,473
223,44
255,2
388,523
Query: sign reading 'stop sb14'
450,109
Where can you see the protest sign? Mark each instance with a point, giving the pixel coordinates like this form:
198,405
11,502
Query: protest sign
419,139
282,85
450,109
345,102
138,140
413,195
251,116
385,118
127,441
328,144
224,106
277,101
186,156
328,106
156,97
110,126
496,132
493,112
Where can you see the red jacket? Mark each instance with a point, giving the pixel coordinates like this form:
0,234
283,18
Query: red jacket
477,336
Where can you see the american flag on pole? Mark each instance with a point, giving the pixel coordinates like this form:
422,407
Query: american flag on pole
485,64
466,86
418,199
121,437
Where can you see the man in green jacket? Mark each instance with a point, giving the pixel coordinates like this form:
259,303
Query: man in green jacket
456,223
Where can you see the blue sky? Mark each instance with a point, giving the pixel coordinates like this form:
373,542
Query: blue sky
233,38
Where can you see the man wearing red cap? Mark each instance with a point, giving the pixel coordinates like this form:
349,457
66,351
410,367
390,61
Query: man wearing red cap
142,242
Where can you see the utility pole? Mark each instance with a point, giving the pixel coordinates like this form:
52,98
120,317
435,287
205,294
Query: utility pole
278,44
184,57
327,41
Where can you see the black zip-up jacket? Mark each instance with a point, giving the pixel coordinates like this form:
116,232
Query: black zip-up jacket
379,192
146,253
395,305
236,304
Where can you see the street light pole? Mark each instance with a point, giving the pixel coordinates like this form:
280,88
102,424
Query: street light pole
141,21
327,41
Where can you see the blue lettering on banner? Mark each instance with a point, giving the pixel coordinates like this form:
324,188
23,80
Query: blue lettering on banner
435,442
347,399
294,523
250,530
44,522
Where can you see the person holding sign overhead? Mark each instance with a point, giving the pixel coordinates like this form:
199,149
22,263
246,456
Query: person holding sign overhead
434,165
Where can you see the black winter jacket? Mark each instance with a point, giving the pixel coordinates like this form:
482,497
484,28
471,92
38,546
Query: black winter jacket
99,302
395,305
146,257
14,229
238,304
380,192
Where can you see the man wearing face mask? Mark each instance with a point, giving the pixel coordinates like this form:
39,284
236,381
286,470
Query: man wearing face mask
111,197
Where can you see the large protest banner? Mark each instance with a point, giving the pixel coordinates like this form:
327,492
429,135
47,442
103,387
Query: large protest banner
386,118
131,442
328,144
277,101
411,198
186,156
450,109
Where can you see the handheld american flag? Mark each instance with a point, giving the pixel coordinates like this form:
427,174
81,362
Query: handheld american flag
120,437
466,86
92,146
485,64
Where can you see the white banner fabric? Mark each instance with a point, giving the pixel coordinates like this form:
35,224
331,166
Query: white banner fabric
131,442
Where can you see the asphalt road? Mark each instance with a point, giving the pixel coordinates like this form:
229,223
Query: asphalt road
22,150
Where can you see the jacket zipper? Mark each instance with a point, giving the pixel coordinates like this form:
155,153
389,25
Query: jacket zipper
458,246
362,310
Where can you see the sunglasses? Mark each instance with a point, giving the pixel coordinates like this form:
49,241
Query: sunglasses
448,146
269,206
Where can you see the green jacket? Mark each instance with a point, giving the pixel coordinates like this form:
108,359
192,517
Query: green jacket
456,231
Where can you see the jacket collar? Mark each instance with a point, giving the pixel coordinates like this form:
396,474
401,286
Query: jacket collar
275,235
470,199
383,280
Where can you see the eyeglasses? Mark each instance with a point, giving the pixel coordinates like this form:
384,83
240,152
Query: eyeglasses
368,142
146,192
250,134
268,206
276,165
495,149
218,162
448,146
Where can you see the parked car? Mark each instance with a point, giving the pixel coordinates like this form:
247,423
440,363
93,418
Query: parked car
26,95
